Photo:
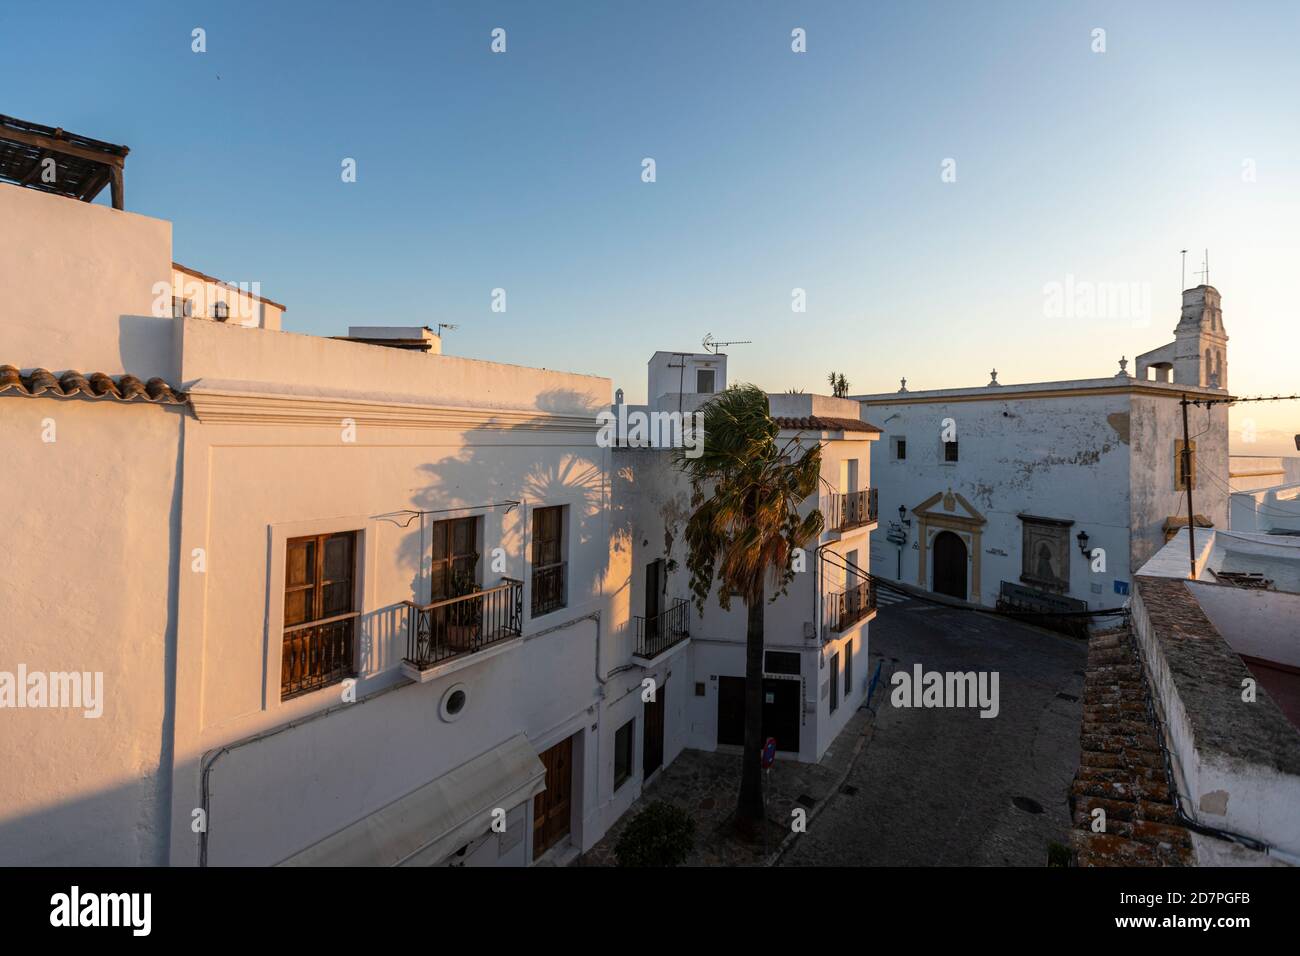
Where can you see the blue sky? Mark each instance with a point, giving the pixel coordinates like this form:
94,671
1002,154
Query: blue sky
775,170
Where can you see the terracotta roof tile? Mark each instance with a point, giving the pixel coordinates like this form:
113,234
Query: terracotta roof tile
821,423
1122,769
72,383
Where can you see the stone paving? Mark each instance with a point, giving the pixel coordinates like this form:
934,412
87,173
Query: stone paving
943,786
704,784
912,787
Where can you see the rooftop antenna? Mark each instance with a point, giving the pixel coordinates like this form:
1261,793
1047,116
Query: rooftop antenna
712,345
681,385
1205,272
448,326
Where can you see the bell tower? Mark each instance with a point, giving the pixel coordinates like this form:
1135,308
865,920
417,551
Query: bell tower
1200,343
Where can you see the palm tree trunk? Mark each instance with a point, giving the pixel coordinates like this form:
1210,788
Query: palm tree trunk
750,812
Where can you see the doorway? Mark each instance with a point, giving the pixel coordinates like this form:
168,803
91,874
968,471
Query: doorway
655,572
780,712
950,565
652,744
552,807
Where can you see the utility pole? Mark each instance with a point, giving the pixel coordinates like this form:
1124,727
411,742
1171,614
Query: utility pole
681,364
1187,478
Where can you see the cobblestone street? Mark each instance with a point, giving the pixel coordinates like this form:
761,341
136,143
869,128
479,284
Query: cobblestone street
928,786
945,786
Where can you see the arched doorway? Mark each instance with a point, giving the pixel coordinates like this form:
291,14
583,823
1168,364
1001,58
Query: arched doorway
950,565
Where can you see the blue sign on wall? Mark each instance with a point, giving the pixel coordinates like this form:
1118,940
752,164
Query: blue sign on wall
1121,587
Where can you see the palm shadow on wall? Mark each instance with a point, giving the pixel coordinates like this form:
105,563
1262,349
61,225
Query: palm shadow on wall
500,473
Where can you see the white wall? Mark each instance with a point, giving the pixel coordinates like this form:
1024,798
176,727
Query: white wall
1066,458
253,479
86,577
78,286
1265,509
245,305
1156,424
1256,623
664,380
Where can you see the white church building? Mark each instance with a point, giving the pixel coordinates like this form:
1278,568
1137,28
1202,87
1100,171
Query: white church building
1047,496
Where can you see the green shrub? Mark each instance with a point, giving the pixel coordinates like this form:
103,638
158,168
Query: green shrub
1058,854
660,835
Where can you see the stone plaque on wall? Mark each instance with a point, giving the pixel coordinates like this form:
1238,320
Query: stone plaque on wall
1045,554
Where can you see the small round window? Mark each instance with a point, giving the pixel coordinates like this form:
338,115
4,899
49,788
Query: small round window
453,702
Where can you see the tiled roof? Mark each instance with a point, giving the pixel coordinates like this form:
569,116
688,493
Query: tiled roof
1122,768
126,388
820,423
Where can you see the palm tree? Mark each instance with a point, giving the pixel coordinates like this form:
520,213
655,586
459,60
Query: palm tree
747,489
839,385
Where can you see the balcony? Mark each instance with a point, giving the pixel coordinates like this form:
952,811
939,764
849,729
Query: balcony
853,509
852,605
548,588
316,655
454,627
656,635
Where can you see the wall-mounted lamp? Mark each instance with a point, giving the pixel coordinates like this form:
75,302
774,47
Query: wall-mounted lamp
902,516
1082,538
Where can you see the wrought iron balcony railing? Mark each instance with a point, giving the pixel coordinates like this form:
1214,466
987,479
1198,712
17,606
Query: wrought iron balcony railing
462,625
852,605
654,635
854,509
548,588
316,654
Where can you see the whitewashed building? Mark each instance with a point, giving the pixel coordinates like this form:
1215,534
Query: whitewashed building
1218,627
1265,494
815,673
1047,496
343,602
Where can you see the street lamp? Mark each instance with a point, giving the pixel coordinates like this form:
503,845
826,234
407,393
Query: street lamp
1082,538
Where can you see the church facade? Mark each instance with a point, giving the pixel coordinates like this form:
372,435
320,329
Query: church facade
1047,496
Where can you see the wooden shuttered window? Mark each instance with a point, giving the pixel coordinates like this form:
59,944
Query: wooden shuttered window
319,612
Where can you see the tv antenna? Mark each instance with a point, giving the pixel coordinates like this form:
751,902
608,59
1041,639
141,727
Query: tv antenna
712,345
1205,272
448,326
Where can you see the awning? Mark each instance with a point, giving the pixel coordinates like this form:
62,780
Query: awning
432,822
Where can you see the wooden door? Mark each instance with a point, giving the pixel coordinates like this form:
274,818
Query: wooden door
781,712
652,749
551,807
654,586
950,565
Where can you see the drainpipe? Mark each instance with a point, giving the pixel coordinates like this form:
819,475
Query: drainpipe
212,756
817,593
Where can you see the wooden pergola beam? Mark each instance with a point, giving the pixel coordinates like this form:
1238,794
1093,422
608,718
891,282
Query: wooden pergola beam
110,163
35,168
54,145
